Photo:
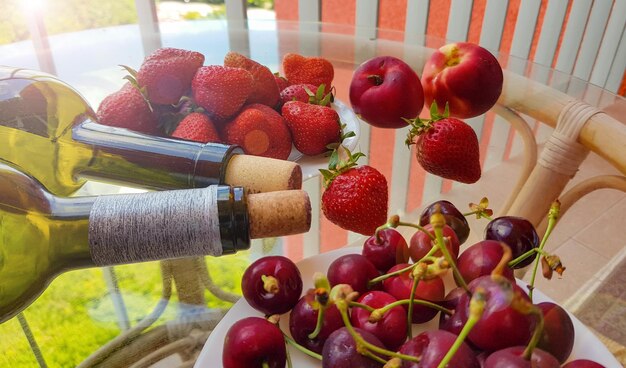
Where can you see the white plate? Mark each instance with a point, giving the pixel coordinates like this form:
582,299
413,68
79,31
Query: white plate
311,164
586,345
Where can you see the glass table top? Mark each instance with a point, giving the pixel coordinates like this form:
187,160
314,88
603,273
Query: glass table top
181,300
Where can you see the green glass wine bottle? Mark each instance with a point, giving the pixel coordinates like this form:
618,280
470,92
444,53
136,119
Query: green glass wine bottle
48,130
42,235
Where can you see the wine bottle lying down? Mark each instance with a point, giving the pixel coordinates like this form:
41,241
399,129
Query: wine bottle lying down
42,235
48,131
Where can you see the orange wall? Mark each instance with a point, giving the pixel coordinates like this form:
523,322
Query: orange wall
392,16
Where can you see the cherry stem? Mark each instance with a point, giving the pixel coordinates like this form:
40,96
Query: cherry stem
382,310
409,319
448,257
476,309
384,277
342,305
534,340
418,227
553,215
270,284
504,261
375,357
478,212
320,322
523,256
361,305
301,348
265,364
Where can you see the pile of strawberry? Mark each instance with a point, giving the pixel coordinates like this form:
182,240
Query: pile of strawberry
240,102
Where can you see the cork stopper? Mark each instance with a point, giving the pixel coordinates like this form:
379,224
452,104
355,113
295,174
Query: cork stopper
279,213
261,174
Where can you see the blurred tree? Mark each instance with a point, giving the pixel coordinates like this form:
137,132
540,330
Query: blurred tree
65,16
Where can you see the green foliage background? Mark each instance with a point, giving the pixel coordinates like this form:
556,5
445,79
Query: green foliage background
74,317
64,16
74,15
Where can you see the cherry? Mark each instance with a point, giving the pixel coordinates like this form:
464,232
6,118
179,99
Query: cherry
303,320
517,232
386,249
272,285
454,218
352,269
391,329
430,290
513,357
503,315
482,258
340,350
583,363
452,322
421,243
432,346
558,331
252,342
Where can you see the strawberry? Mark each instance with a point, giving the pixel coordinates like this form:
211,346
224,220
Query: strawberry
265,88
166,74
313,127
260,131
312,70
305,93
356,198
446,147
281,81
196,127
221,90
127,108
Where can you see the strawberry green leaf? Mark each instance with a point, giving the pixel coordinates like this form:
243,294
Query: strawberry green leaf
334,160
319,94
131,71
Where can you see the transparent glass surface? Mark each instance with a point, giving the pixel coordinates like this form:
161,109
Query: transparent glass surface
116,317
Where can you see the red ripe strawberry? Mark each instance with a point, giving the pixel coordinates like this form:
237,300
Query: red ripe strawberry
281,81
166,74
446,147
260,131
221,90
312,70
356,198
196,127
313,127
265,88
297,92
127,108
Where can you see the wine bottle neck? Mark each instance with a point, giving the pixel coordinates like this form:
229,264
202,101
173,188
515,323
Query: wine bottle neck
124,157
173,224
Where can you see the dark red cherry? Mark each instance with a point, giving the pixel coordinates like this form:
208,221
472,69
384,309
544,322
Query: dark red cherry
558,331
272,285
480,259
340,350
352,269
452,322
517,232
513,358
391,329
252,341
430,290
303,319
501,318
387,250
583,363
432,346
454,218
421,243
